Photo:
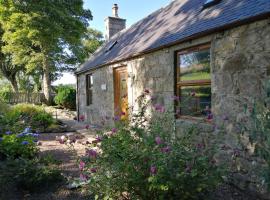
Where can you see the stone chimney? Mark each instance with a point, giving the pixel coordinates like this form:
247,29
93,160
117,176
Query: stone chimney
114,24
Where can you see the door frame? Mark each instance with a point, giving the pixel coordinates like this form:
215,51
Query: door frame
116,70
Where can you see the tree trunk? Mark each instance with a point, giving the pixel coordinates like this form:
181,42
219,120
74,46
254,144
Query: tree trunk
13,82
47,83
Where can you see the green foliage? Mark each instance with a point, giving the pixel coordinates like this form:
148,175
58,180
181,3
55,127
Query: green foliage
18,146
44,36
144,160
22,115
66,97
29,175
3,109
5,93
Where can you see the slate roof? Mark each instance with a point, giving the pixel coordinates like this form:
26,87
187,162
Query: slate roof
177,22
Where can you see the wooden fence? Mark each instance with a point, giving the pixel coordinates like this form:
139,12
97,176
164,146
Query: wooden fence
20,97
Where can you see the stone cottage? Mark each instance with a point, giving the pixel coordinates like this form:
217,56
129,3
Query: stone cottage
216,49
213,54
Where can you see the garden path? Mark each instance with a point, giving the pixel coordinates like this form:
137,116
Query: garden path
66,155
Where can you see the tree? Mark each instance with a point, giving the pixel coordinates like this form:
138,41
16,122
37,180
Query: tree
42,34
92,40
7,68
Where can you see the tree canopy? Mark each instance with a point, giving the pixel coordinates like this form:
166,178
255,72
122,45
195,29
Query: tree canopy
43,34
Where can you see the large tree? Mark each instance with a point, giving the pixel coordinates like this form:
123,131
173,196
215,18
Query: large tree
42,34
7,68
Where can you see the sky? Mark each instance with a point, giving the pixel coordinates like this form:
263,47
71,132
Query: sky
131,10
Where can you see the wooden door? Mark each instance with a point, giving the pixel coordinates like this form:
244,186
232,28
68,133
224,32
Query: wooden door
121,92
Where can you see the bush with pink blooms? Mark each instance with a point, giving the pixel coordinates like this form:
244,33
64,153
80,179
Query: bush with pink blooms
143,160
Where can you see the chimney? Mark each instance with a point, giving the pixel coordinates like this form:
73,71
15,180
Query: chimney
114,24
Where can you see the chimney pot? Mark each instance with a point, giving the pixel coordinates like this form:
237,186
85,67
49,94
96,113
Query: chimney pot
115,10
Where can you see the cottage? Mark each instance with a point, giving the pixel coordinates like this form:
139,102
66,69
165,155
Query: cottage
218,49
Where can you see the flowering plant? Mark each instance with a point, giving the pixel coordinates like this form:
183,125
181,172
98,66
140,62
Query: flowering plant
143,159
18,145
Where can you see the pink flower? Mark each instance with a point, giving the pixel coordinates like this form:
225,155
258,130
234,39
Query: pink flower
158,140
146,91
193,94
159,108
81,165
82,118
97,140
87,126
83,177
91,153
166,149
153,170
93,170
200,146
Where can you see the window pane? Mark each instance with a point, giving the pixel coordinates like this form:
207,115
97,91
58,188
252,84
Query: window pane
195,100
195,65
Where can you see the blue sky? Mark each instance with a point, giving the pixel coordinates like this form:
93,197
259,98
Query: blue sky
131,10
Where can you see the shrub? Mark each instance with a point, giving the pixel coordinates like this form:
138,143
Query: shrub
18,146
25,114
144,160
66,97
28,175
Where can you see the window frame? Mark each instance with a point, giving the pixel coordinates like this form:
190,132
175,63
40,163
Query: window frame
89,89
179,83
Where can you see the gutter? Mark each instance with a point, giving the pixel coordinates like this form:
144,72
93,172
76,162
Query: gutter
192,37
77,97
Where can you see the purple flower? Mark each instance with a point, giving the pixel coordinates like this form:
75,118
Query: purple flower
91,153
98,139
81,165
116,118
152,98
175,98
87,126
8,133
158,140
210,116
1,139
114,130
153,170
166,149
159,108
93,170
25,143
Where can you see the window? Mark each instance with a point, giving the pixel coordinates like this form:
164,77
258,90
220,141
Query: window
89,89
209,3
194,82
